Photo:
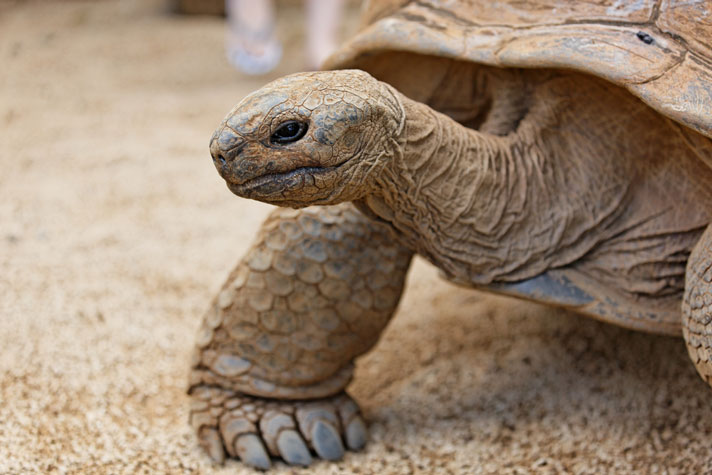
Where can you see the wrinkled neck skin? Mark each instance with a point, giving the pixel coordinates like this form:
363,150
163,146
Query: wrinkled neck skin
474,205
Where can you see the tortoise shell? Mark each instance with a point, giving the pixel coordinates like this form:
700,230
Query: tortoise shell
659,50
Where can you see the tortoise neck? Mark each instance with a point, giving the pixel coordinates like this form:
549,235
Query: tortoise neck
458,197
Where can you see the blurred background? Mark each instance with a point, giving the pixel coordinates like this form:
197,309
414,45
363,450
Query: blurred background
116,231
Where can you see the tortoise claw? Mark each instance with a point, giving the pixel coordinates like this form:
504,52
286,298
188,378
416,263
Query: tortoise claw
320,423
293,449
327,441
356,434
252,451
210,442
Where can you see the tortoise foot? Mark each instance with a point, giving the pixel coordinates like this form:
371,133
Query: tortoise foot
254,429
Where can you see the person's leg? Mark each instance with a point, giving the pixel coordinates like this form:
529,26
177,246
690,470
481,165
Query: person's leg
324,19
251,42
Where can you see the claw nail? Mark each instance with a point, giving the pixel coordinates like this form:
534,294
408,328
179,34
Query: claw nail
356,434
271,425
209,439
231,428
251,451
292,448
326,441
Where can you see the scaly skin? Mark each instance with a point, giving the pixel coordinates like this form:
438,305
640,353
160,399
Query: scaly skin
697,306
315,291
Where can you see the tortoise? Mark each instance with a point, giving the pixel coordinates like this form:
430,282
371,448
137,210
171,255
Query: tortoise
553,151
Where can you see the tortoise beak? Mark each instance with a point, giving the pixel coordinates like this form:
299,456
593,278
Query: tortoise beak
226,148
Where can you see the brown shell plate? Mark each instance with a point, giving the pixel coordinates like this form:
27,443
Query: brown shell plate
660,51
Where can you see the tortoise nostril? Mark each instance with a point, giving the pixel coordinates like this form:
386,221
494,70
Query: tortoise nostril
221,156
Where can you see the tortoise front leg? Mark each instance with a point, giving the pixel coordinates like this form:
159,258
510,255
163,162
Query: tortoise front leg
697,306
275,350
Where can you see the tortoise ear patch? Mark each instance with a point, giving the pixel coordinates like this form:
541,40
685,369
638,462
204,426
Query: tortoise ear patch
333,122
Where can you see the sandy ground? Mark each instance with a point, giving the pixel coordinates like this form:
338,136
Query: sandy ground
115,230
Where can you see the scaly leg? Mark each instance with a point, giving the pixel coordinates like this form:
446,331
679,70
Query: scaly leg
697,306
275,350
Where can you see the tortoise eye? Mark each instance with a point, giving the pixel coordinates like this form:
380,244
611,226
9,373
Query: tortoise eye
289,132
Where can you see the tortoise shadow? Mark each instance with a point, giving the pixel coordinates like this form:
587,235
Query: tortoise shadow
492,375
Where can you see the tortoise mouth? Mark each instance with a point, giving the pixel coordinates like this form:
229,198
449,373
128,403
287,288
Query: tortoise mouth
274,185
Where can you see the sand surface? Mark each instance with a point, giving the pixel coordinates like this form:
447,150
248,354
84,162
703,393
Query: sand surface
115,231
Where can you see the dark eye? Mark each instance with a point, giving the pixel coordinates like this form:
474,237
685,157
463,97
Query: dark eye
289,132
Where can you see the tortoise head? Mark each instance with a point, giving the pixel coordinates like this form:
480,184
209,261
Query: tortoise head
308,138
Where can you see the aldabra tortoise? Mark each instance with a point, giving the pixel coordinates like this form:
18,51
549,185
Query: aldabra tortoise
555,151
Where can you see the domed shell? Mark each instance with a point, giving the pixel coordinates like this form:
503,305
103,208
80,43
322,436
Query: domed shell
660,51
